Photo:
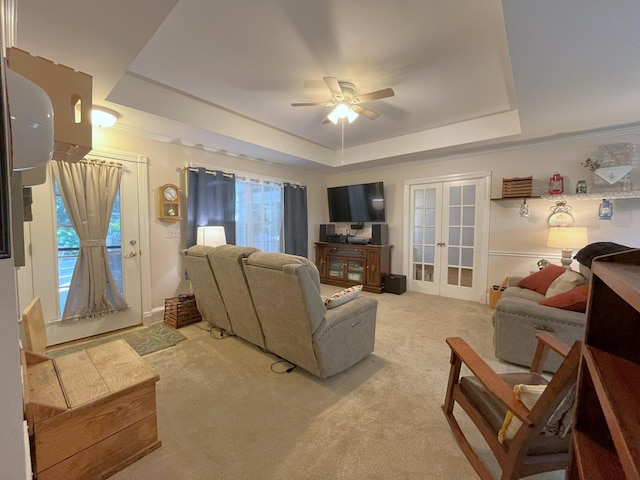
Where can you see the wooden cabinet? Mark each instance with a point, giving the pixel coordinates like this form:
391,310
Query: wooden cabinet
344,265
606,438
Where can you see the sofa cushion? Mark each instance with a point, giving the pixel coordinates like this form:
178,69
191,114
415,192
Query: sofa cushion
343,296
524,293
542,279
565,282
528,395
574,300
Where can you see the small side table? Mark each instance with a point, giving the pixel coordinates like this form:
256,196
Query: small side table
180,313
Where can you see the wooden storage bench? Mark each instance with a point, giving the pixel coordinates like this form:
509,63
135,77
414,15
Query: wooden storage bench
90,413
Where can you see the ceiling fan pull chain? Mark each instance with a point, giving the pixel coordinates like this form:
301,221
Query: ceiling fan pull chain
342,152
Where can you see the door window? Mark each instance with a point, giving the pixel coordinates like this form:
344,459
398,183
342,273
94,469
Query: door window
69,244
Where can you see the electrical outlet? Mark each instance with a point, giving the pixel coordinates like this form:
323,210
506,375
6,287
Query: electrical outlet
173,233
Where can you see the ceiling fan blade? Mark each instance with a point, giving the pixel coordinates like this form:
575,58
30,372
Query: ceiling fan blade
365,112
312,104
367,97
333,85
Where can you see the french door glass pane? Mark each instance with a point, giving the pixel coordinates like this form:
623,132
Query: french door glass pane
467,236
467,257
454,235
454,216
430,235
469,195
455,195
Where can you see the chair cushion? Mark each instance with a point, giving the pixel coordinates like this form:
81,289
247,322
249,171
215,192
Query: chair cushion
528,395
491,408
542,279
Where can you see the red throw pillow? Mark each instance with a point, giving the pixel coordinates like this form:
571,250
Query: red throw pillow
541,280
574,300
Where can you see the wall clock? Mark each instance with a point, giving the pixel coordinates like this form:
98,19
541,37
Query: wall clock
560,216
169,203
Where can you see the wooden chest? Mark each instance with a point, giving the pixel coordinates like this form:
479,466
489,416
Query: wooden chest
180,313
90,413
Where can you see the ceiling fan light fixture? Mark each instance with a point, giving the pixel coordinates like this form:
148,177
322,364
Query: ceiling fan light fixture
352,115
342,110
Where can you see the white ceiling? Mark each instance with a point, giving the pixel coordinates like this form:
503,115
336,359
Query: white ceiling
222,74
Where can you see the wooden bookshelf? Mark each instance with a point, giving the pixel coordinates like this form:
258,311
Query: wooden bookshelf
606,440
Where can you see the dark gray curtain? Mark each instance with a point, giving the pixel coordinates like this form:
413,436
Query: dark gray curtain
296,232
211,201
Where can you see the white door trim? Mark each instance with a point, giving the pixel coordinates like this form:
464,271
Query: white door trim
483,257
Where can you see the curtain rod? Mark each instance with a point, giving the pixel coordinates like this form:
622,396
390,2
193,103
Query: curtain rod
241,177
206,170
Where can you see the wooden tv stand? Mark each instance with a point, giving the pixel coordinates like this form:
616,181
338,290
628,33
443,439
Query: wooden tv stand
90,413
345,264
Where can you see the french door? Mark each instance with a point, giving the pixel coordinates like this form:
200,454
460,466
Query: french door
447,245
50,261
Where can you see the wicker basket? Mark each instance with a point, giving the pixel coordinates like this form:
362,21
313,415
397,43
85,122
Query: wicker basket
178,314
496,292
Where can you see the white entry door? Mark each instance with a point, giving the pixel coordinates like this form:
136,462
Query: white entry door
448,245
50,263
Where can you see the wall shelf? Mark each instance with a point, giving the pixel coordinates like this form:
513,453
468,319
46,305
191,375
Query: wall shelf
593,196
515,198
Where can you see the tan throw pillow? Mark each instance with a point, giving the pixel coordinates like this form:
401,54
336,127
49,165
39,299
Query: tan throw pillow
343,296
528,395
565,282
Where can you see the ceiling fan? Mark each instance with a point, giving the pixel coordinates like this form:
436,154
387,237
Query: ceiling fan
346,103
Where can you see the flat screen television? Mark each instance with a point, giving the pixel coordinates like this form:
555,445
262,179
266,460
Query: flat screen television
356,203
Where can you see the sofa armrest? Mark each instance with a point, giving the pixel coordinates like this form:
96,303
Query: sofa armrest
346,335
351,311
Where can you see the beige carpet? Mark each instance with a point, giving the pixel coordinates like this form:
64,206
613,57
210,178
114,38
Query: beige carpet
223,414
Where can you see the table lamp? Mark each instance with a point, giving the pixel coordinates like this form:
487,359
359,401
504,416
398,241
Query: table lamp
211,236
567,238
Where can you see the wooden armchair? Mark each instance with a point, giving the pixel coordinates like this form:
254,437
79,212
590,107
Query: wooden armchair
486,397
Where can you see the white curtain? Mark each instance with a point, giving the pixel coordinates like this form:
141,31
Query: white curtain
88,189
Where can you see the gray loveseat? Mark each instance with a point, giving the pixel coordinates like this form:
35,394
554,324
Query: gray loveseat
273,301
518,318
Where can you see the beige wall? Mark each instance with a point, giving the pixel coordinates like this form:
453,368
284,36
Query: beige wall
515,243
165,162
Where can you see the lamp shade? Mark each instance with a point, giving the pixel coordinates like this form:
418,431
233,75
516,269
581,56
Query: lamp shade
567,237
211,236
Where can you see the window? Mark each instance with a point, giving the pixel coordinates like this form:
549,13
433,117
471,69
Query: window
259,215
69,246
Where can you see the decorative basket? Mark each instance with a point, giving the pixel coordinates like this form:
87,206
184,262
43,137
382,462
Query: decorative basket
517,187
178,314
496,292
